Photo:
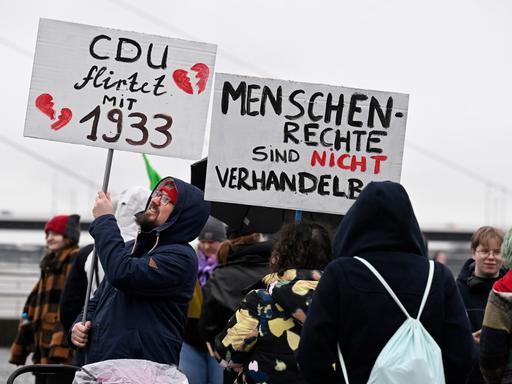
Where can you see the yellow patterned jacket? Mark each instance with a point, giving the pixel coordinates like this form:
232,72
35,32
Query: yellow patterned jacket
263,334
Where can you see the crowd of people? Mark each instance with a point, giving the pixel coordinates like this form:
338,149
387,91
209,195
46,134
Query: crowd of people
300,306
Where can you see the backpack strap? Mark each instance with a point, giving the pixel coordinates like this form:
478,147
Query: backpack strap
395,298
342,364
385,284
427,288
393,295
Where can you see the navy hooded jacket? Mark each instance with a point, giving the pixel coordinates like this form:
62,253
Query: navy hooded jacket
475,292
140,309
352,308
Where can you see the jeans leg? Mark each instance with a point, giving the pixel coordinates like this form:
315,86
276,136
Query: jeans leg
215,371
193,365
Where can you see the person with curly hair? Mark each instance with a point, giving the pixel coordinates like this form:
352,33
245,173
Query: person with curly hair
260,339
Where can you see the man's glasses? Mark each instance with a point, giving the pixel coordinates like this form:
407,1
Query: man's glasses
164,199
487,252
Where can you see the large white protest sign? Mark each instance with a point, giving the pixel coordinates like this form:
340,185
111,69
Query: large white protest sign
120,90
301,146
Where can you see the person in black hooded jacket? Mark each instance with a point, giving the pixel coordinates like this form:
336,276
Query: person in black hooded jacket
261,337
352,308
475,281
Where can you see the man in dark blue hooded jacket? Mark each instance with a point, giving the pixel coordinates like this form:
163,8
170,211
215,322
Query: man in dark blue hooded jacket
140,309
352,308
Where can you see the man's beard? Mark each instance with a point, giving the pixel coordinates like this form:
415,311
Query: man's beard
145,221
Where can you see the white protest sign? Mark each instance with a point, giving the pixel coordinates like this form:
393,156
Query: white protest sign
301,146
121,90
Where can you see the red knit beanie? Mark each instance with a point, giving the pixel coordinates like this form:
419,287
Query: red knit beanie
66,225
168,186
171,192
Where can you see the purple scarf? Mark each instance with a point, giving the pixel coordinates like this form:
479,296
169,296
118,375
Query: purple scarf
206,266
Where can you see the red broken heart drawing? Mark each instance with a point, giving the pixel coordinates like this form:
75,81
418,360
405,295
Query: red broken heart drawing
44,102
182,80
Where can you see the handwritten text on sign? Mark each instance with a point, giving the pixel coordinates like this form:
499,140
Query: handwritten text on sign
301,146
121,90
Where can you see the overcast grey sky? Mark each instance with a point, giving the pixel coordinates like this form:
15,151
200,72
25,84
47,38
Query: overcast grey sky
452,57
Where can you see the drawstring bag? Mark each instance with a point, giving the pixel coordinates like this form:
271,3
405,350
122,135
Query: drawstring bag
411,355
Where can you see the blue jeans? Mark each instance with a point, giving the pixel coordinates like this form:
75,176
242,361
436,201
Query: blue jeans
200,367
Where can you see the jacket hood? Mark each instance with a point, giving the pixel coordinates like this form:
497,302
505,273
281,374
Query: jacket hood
293,290
252,253
467,276
130,201
467,270
381,220
189,215
504,285
290,275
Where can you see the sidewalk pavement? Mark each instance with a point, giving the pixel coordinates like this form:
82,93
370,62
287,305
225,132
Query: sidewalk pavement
6,369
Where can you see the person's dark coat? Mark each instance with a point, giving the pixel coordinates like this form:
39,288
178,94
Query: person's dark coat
475,292
140,309
352,308
130,201
223,292
73,296
264,333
